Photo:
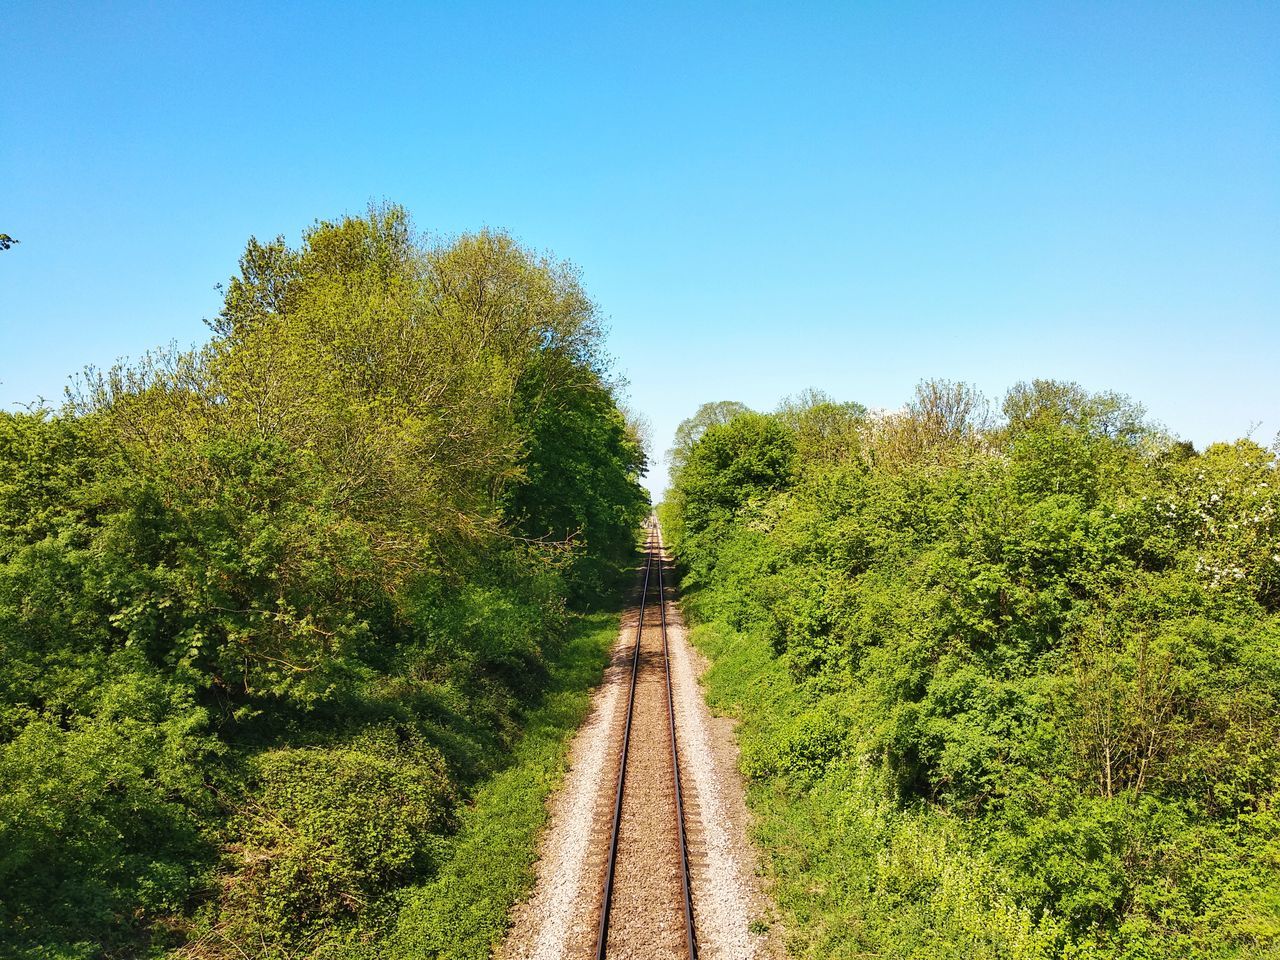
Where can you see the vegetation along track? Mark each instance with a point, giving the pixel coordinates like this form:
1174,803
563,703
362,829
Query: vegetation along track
648,923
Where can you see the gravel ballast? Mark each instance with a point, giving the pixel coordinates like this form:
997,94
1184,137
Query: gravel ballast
559,921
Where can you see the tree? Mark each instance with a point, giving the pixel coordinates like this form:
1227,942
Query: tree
1046,649
1040,404
711,414
943,423
732,464
371,409
827,432
317,567
580,483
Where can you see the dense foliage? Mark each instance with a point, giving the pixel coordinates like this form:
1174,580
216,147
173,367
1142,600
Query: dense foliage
272,609
1010,684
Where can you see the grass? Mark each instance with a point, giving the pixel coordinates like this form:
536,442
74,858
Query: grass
853,874
463,912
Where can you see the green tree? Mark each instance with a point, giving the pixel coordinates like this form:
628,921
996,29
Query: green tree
690,430
733,464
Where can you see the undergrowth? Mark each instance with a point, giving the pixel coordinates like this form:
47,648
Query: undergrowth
463,911
852,875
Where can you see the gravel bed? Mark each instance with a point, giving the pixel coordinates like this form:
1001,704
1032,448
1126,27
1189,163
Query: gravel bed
733,915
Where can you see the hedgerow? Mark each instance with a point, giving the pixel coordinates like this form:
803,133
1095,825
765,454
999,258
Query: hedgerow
1015,676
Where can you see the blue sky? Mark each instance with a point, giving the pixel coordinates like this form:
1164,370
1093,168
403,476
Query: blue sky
761,197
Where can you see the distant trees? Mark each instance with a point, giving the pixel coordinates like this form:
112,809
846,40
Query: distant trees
716,413
733,464
944,423
1045,403
825,430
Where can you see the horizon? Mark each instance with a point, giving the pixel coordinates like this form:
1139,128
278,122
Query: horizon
759,202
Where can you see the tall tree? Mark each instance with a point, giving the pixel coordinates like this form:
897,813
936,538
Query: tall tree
690,431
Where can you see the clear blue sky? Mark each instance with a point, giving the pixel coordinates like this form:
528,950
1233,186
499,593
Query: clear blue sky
851,196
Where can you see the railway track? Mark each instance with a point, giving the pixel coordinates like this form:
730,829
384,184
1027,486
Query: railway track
652,584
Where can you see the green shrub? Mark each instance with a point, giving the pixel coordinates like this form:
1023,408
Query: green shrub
462,913
326,831
101,816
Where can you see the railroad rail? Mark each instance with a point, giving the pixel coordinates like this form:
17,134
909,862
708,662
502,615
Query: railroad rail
653,549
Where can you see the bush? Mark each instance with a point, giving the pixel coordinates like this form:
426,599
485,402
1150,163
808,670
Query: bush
101,815
325,832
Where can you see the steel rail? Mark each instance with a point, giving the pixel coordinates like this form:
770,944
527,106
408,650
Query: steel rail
602,934
690,937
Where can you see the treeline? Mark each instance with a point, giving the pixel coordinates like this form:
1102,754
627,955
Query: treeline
1009,683
270,609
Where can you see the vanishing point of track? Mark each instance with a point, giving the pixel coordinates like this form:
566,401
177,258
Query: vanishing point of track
653,550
